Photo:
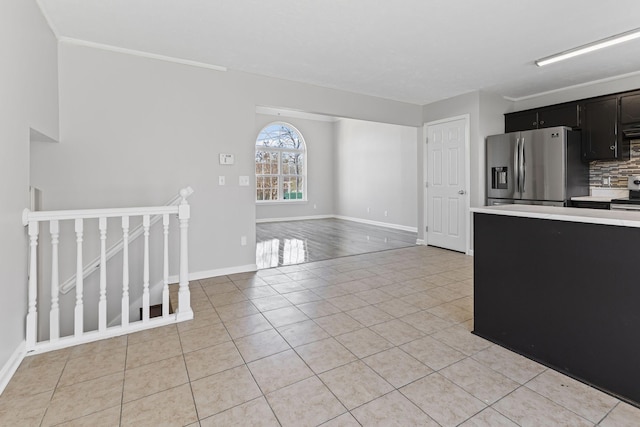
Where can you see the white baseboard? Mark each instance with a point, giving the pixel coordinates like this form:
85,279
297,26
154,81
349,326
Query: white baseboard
197,275
293,218
421,242
470,252
11,366
378,223
346,218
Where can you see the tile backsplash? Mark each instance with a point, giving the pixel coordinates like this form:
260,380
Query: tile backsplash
618,171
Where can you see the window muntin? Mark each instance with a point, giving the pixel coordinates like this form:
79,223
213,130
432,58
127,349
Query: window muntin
280,164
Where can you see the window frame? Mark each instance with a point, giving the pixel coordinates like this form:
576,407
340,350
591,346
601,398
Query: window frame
281,176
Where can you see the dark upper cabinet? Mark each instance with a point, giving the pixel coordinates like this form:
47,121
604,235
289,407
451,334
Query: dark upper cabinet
557,115
630,108
608,123
560,115
522,120
600,129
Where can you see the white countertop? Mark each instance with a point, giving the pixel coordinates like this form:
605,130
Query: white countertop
591,216
603,194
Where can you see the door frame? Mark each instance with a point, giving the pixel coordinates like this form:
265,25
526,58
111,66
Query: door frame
467,179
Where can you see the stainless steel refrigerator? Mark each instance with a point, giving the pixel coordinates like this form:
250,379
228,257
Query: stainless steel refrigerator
536,167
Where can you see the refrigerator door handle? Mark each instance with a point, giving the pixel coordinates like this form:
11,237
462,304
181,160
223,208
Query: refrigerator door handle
522,165
516,164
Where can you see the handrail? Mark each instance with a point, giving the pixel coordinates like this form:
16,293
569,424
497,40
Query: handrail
94,265
39,216
28,215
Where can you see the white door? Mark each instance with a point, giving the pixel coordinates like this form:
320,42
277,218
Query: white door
446,200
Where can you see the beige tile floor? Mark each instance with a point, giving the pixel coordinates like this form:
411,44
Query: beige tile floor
378,339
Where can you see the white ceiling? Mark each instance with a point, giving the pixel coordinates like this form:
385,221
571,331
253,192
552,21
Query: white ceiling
417,51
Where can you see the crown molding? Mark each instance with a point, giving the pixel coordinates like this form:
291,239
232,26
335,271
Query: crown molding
577,86
139,53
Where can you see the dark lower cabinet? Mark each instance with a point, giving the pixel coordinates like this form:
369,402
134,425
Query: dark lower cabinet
564,294
589,204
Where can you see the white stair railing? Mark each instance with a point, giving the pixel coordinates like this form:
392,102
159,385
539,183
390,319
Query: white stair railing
94,264
54,218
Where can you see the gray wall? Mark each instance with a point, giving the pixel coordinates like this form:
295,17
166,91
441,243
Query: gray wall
318,137
29,98
136,130
376,171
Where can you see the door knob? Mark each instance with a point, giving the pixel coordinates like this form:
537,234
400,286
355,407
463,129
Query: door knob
461,192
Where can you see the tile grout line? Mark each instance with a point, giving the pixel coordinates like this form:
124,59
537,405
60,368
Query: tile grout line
233,340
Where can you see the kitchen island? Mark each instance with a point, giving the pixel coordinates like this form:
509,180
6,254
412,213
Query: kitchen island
562,286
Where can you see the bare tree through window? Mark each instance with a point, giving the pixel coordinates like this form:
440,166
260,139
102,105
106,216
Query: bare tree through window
280,164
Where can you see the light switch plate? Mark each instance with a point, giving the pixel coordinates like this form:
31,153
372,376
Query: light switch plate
243,181
221,180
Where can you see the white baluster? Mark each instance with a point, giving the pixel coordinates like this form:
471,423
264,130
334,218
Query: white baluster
125,271
79,311
184,296
165,275
145,274
32,314
102,302
54,314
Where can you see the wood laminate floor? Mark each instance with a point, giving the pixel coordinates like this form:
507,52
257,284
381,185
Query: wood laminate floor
297,242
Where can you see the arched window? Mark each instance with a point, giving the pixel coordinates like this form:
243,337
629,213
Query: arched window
280,164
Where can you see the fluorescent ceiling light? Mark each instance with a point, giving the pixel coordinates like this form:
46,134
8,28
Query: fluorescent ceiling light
610,41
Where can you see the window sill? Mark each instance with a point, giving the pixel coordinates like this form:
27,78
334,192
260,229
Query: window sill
281,202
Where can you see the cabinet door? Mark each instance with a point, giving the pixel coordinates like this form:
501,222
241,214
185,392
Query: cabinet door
559,115
522,120
630,108
600,130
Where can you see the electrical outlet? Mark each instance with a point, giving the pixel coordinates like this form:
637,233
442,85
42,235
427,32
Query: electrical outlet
243,181
386,213
368,210
221,180
315,206
243,241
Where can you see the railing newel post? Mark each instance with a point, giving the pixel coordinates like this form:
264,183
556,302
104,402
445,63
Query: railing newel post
184,296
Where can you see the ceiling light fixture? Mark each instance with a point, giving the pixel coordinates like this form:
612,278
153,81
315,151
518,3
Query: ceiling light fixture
609,41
